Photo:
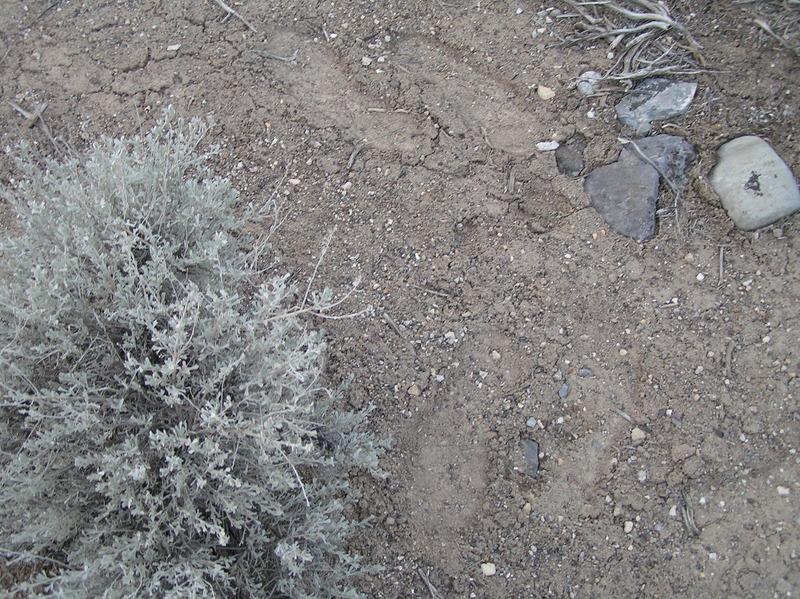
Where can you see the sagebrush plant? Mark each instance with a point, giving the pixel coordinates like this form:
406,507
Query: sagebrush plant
164,429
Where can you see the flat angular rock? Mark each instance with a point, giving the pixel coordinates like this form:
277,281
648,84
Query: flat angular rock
672,155
754,184
654,99
625,192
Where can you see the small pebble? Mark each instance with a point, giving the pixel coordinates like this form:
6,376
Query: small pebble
783,491
495,355
366,61
585,372
488,569
531,423
588,82
628,527
642,476
638,434
563,391
547,146
414,390
545,93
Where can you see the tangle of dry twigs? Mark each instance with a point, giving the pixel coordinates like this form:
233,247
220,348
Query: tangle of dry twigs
642,35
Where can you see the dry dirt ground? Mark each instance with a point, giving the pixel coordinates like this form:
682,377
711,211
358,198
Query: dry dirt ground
493,282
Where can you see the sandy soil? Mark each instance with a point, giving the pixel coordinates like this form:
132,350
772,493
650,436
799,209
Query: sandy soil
493,282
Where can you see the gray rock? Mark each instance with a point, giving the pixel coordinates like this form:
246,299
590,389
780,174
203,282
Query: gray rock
754,184
588,82
625,192
625,195
671,154
531,458
569,156
654,99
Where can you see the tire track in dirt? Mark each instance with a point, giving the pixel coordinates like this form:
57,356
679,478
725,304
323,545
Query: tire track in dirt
325,97
468,104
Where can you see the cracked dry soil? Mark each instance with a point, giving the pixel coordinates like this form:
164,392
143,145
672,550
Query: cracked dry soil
501,282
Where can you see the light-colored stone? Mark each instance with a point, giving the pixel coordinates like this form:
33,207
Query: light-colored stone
547,146
754,184
488,569
638,434
628,526
545,93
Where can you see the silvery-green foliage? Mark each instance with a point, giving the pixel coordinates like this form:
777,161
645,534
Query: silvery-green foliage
164,429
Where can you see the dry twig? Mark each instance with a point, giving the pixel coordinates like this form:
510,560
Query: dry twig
431,589
358,146
31,118
233,13
687,511
780,20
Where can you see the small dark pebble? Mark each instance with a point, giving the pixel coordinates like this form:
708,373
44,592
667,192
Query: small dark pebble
569,156
585,372
532,458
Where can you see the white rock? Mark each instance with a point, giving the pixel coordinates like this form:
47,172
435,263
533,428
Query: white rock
547,146
488,569
783,491
638,434
754,184
588,82
366,61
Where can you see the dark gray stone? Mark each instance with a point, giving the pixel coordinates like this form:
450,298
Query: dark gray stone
671,154
531,458
625,192
654,99
625,195
569,156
